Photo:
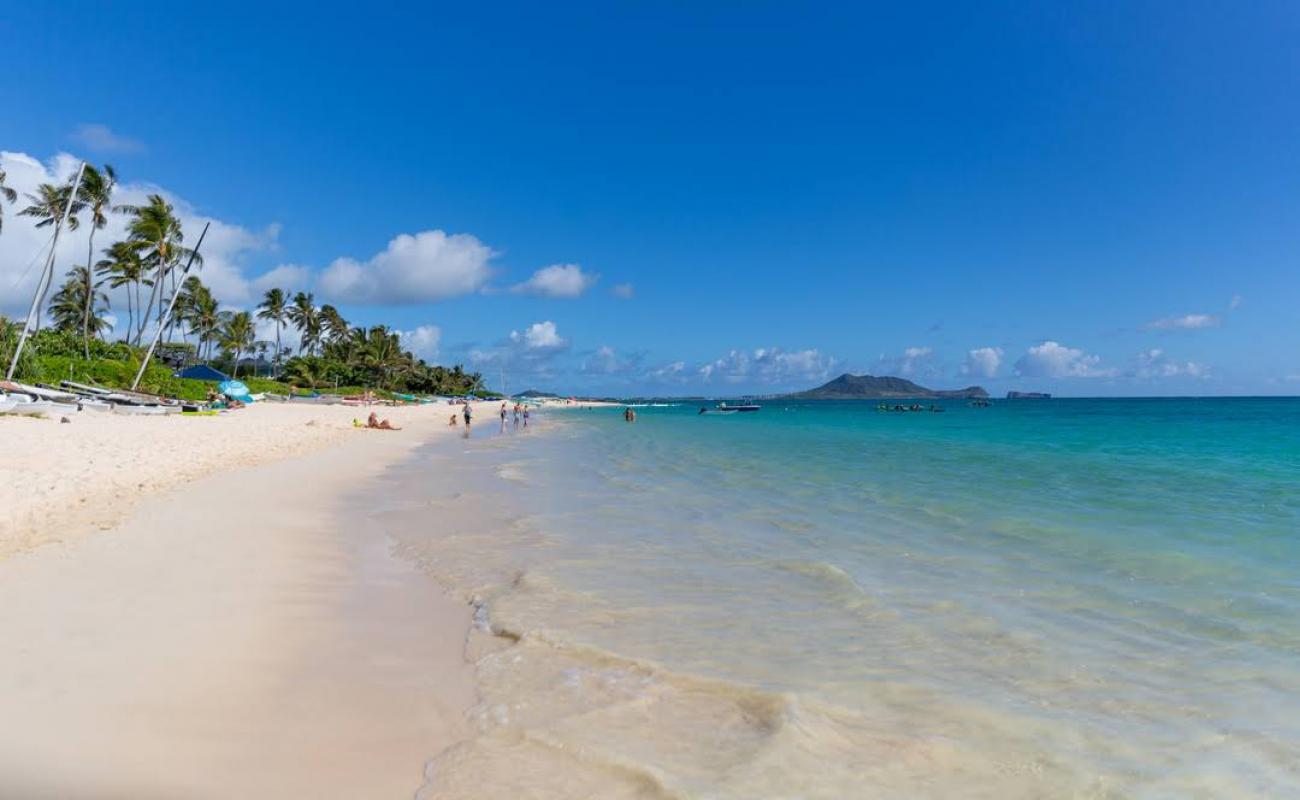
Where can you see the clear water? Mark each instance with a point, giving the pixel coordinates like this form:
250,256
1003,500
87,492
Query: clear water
1073,598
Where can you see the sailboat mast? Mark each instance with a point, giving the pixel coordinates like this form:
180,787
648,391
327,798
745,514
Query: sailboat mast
47,275
171,306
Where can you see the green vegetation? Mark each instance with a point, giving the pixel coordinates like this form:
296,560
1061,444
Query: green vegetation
149,268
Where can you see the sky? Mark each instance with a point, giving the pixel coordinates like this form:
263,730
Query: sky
720,199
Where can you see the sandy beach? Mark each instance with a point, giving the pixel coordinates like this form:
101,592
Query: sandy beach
195,607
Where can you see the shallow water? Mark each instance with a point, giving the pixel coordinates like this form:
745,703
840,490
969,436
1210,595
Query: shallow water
1087,598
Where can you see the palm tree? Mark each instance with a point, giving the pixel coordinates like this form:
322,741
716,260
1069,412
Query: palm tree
78,292
125,268
48,203
7,194
306,318
332,322
157,231
273,308
47,206
96,196
205,318
237,335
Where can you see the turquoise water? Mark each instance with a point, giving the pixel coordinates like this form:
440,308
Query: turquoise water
1093,598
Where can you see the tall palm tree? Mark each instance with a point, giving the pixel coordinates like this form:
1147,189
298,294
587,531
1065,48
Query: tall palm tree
48,203
274,308
69,302
96,196
7,194
333,324
124,267
157,230
237,335
204,317
47,206
306,318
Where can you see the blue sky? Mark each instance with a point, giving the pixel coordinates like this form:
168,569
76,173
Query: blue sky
1088,198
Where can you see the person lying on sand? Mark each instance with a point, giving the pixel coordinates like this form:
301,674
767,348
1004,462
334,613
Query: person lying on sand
375,423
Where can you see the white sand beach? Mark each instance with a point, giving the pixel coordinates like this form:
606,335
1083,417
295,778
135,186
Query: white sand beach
183,617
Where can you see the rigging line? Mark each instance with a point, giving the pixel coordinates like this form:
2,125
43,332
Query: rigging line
39,254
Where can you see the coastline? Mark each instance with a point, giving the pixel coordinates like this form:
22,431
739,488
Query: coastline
243,634
60,482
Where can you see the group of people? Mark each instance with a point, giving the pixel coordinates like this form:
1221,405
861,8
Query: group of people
521,412
913,407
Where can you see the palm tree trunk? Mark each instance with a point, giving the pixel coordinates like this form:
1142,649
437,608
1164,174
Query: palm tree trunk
90,288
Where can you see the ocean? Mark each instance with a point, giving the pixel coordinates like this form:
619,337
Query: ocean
1060,598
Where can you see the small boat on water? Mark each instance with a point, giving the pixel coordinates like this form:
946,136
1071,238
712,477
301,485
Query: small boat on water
724,406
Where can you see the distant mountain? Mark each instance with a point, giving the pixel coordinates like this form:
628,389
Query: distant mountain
858,387
535,394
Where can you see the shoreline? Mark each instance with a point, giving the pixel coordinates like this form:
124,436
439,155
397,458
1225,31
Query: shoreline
283,649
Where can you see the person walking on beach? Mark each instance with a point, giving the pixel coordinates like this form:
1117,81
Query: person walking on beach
517,407
525,416
469,414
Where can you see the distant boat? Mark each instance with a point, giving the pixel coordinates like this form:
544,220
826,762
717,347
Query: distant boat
726,408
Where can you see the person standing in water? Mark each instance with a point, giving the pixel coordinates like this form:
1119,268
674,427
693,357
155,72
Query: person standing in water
525,416
469,414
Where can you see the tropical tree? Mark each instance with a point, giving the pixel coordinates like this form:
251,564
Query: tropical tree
237,335
48,203
6,193
124,267
274,309
333,325
306,318
47,207
204,317
78,292
95,195
157,231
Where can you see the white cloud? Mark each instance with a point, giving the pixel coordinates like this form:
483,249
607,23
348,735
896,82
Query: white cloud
915,361
1235,302
1053,360
539,336
1155,364
667,371
557,280
429,266
623,291
768,365
290,278
422,341
1187,322
101,139
982,362
226,250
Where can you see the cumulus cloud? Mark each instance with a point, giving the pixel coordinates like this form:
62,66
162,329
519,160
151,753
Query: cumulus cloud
1187,322
289,277
431,265
768,365
982,362
623,291
608,362
101,139
670,371
914,361
422,341
1155,363
557,280
539,336
226,250
1054,360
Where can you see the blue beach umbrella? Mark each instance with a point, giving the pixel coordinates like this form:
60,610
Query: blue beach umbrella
236,390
